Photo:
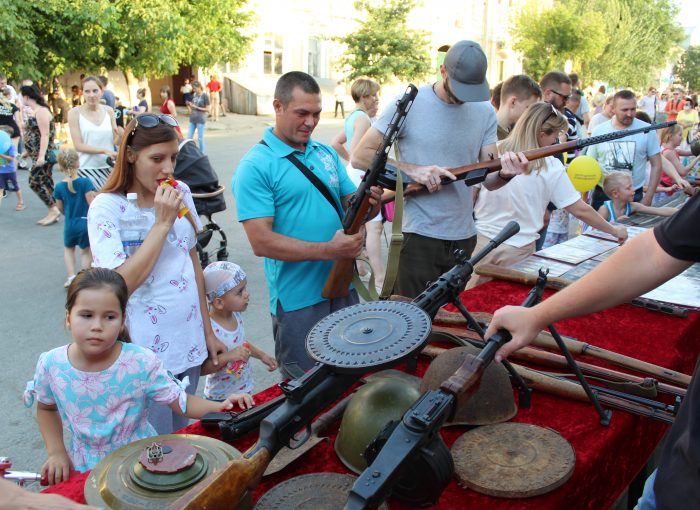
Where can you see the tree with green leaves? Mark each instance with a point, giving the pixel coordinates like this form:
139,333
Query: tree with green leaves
548,38
622,42
383,47
148,38
47,37
688,68
643,38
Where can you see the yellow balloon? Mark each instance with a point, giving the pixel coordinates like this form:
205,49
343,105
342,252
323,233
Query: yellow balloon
585,173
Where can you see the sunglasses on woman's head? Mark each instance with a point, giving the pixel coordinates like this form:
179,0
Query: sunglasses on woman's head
151,120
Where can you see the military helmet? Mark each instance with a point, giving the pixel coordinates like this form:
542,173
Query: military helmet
492,403
369,410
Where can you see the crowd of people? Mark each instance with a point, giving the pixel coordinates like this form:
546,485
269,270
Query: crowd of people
150,321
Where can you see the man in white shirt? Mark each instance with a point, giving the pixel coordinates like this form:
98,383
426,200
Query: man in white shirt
629,154
339,93
648,103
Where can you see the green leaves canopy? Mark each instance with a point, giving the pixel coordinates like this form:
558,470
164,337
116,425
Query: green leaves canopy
688,68
622,42
551,37
383,47
147,38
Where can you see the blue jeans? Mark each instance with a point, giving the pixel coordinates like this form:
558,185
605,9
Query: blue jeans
647,501
200,134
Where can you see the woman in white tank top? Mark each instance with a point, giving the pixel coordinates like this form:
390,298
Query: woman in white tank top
93,129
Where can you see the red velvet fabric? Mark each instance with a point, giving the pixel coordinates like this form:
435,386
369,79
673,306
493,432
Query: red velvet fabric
607,458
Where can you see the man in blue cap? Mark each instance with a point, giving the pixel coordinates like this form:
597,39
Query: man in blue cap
451,123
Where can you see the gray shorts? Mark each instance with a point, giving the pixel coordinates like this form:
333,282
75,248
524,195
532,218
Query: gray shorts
291,328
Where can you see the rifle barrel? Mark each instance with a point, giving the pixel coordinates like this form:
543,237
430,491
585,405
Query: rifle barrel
480,169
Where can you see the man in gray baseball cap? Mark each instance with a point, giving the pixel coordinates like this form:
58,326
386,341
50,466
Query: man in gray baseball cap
466,65
451,123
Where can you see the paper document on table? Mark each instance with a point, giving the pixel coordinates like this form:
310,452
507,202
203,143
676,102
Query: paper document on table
683,290
565,253
533,264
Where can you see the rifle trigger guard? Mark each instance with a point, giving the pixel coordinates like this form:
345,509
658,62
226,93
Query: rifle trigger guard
296,441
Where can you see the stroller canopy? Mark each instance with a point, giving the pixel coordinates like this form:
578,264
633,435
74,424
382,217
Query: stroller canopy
194,169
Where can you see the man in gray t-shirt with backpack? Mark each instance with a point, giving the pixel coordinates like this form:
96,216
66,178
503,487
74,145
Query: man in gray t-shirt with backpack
450,124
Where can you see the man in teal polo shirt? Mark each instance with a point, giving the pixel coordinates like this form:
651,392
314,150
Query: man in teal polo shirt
290,223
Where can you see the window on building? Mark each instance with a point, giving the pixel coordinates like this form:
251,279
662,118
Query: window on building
314,57
272,54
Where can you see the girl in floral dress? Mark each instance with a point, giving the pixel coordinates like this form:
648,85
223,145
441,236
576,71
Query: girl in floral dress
98,386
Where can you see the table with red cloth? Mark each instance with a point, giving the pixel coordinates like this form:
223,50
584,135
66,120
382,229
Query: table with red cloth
607,458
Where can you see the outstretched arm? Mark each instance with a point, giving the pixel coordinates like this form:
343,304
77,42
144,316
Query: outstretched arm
656,211
198,407
635,268
588,215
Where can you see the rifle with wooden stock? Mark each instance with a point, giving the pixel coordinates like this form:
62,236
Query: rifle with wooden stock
289,424
359,207
649,386
627,396
544,340
477,172
557,282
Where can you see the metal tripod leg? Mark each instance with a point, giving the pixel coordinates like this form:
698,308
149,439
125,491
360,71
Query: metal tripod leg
604,414
524,392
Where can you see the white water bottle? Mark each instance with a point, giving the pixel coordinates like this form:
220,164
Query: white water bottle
133,225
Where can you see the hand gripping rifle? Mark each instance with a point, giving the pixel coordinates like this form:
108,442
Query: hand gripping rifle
356,214
409,456
477,172
304,399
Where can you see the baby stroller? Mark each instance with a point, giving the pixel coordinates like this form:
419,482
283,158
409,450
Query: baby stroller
194,169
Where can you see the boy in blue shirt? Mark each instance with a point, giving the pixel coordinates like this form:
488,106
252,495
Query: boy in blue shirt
8,170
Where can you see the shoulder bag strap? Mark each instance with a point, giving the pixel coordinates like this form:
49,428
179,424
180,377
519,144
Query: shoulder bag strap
314,180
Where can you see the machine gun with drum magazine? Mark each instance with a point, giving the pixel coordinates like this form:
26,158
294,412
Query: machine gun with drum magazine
347,344
477,172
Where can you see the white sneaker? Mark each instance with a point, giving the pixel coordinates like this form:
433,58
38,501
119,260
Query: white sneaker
70,279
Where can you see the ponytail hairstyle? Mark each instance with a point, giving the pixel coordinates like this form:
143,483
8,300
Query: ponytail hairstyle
101,278
537,118
69,161
32,92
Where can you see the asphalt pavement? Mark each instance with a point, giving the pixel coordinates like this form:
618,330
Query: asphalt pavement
32,315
